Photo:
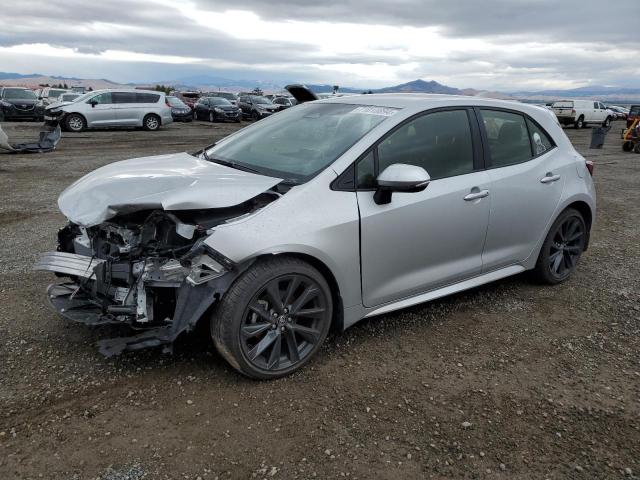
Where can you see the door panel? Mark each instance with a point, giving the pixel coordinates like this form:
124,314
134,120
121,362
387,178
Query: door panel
103,113
521,207
422,241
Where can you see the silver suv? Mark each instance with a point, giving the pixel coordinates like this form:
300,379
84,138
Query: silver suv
318,217
112,108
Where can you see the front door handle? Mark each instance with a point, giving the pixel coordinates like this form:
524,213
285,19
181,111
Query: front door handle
476,195
550,178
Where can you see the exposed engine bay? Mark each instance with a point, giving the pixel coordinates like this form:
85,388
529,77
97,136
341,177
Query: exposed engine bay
147,269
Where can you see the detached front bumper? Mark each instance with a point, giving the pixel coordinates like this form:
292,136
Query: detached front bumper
161,299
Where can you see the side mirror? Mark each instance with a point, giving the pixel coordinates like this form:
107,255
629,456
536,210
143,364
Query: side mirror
93,103
400,177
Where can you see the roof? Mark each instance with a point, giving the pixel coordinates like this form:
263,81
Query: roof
422,101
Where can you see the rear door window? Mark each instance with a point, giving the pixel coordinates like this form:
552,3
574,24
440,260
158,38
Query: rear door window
147,98
123,97
507,136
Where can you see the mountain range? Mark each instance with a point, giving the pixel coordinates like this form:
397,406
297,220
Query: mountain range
210,82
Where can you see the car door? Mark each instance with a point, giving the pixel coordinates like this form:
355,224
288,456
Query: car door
424,240
527,176
124,104
100,110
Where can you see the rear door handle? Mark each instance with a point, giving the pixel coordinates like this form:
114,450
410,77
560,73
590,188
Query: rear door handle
550,178
476,195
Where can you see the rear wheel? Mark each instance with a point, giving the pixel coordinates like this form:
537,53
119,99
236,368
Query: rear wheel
151,122
75,122
562,248
274,318
580,122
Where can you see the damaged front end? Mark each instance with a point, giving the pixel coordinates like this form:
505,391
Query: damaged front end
150,270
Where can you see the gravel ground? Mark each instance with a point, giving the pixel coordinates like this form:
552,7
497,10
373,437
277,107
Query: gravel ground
511,380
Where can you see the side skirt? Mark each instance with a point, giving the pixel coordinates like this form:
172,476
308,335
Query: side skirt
448,290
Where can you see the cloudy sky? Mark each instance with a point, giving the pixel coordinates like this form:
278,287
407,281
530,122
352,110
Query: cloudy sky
486,44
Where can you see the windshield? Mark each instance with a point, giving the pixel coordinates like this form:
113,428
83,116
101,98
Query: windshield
297,143
175,102
219,101
256,99
228,96
19,93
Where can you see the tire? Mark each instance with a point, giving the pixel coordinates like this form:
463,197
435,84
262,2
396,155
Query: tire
1,116
579,123
258,335
151,122
255,116
607,122
195,115
212,117
636,149
75,123
627,146
562,248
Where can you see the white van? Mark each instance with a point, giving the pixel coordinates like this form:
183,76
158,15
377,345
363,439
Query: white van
581,112
112,108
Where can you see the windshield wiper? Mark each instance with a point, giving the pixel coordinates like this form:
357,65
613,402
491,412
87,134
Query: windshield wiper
232,164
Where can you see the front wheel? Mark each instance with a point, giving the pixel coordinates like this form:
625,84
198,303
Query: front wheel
274,318
212,117
75,123
579,123
562,248
607,122
255,116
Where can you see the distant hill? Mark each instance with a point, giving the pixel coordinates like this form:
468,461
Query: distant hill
420,86
206,82
35,79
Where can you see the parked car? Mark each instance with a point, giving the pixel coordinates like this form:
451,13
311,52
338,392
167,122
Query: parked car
49,95
180,111
619,113
19,104
579,113
256,107
634,114
284,102
320,216
216,109
189,98
112,108
232,98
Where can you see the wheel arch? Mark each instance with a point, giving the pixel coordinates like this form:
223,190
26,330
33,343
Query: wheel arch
152,114
585,210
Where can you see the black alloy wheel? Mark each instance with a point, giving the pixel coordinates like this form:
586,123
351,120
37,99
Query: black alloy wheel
562,248
274,318
283,322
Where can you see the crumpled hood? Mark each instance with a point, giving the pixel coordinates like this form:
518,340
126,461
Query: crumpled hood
53,105
171,182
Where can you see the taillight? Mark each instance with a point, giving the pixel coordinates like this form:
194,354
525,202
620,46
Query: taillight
589,166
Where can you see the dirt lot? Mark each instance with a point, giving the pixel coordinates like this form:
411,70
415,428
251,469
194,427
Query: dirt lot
512,380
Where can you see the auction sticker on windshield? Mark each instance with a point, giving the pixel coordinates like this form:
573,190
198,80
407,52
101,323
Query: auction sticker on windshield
371,110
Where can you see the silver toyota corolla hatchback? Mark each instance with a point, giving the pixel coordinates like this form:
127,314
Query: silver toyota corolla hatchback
317,217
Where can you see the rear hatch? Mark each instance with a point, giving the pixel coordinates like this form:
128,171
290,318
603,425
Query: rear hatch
564,109
301,93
